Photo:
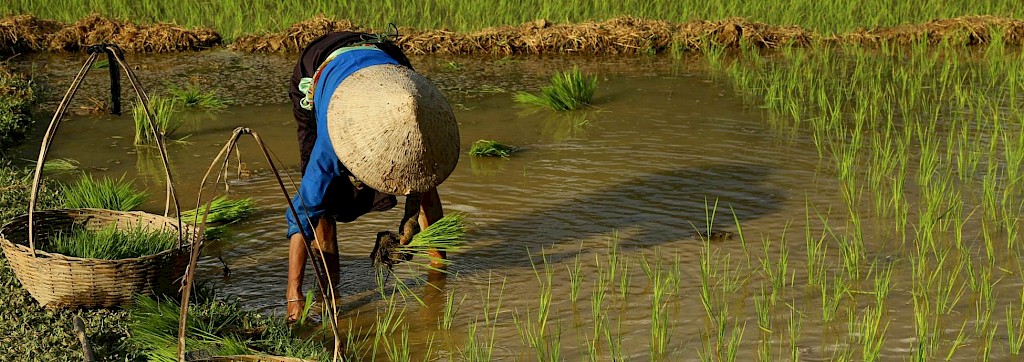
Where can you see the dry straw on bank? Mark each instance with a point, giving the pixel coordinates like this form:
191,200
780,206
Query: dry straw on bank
623,35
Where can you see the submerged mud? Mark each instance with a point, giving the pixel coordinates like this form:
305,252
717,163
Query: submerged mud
624,35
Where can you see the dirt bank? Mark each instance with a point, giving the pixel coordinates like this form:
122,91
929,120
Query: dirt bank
623,35
27,33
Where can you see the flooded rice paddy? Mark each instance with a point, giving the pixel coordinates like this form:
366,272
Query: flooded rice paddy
583,245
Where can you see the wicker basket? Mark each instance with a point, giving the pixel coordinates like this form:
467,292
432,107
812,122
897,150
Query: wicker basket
58,281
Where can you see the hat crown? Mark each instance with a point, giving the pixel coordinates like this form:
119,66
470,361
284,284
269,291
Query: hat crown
393,129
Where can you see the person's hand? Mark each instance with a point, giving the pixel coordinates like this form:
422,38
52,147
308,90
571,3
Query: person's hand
295,307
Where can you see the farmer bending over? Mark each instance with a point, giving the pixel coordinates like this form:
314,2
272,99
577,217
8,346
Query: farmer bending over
369,128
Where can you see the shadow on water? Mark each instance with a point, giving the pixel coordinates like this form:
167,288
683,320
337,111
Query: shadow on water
649,210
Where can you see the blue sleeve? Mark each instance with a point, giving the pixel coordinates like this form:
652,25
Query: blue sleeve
309,201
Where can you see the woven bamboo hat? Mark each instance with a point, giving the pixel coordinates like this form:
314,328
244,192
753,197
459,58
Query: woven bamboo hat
393,129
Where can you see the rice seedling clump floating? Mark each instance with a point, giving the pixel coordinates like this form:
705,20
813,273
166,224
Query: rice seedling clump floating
223,211
163,116
491,148
194,96
105,193
568,90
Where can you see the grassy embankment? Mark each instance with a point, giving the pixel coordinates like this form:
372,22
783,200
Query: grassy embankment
236,18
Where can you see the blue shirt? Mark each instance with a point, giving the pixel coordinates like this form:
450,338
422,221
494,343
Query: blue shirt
323,164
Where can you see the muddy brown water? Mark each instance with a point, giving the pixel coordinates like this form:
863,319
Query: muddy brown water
636,170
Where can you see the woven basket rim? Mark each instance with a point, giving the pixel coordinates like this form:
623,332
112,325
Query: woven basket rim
23,249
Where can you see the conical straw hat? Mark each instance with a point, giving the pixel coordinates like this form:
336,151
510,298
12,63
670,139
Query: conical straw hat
393,129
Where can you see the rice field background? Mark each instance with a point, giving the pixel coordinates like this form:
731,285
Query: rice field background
236,18
833,202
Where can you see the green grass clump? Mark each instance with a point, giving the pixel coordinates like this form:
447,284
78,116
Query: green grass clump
60,165
568,90
194,96
489,148
17,96
111,242
163,115
215,328
107,193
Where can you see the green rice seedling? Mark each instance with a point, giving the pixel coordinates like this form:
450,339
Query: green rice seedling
568,90
817,250
613,256
490,148
882,284
387,323
222,211
624,279
1015,329
832,295
926,328
985,301
794,325
195,96
659,319
534,330
764,303
958,342
732,347
869,332
450,309
576,276
106,193
597,301
111,242
614,344
399,350
164,118
986,348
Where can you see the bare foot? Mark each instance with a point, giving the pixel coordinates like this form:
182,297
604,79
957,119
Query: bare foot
295,308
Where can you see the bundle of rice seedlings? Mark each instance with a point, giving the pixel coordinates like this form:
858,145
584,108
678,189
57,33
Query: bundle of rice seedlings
111,242
163,116
194,96
489,148
215,328
443,235
107,193
568,91
223,210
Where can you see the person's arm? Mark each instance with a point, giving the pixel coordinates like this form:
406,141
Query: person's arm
308,203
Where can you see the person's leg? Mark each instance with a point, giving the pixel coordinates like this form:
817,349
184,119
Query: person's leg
327,244
296,265
430,212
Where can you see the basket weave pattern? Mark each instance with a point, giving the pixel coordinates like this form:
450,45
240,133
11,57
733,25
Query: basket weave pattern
59,281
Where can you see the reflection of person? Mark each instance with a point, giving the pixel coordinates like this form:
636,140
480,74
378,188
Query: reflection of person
369,128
